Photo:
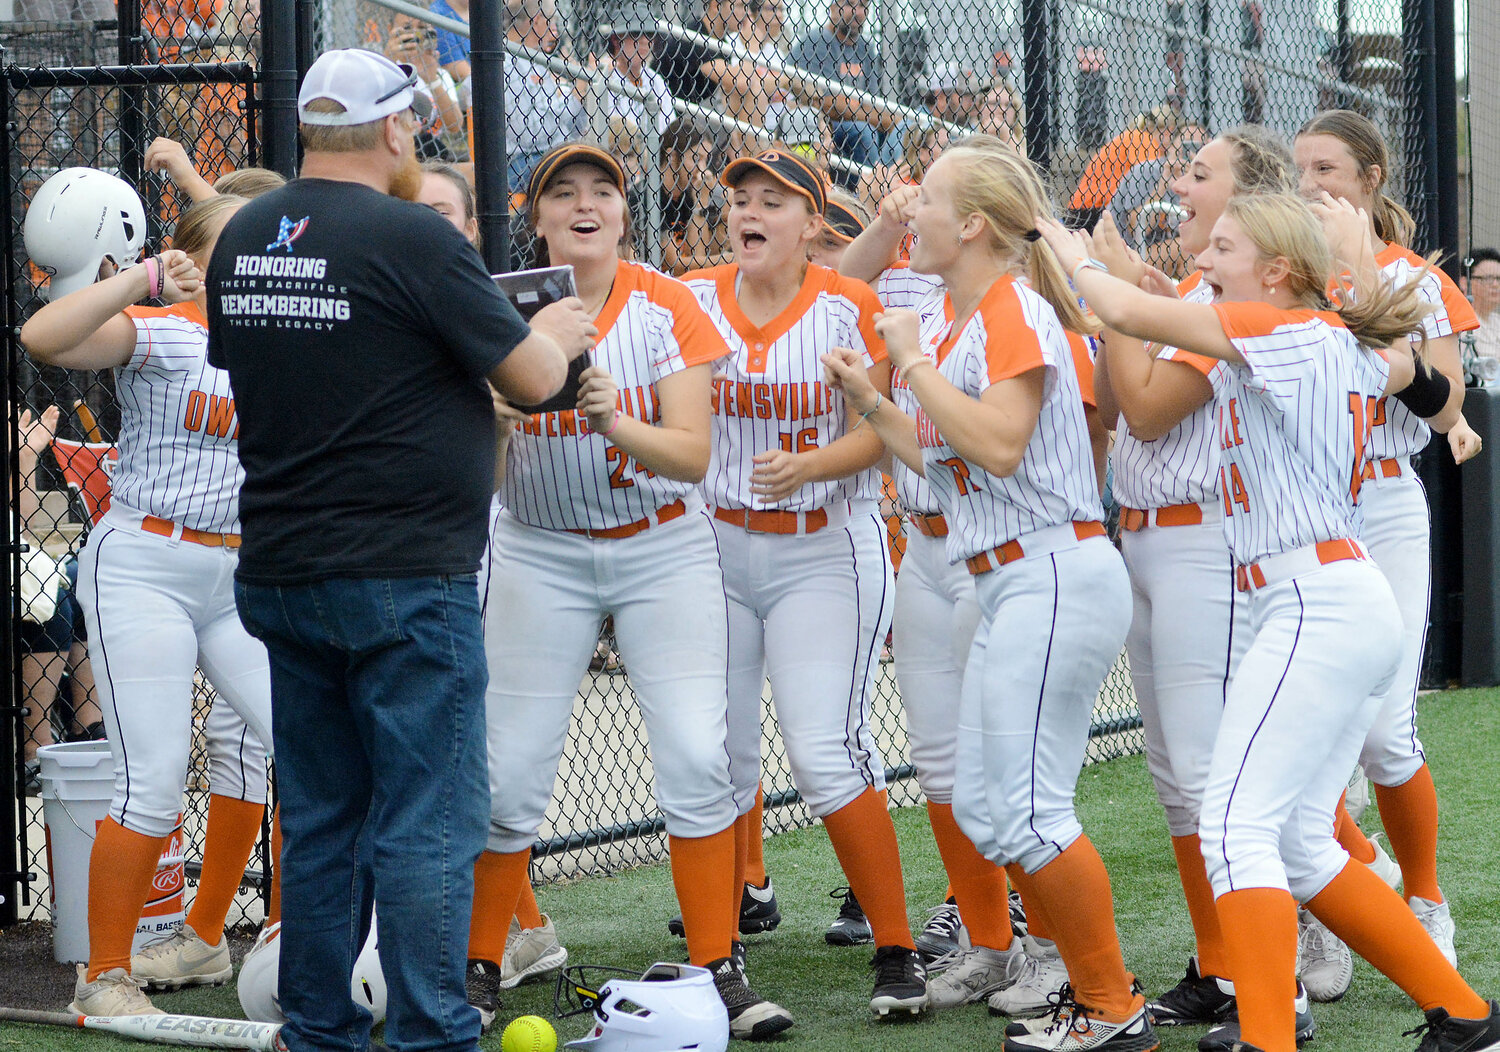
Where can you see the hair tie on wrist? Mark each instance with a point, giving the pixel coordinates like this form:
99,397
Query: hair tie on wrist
1033,234
155,278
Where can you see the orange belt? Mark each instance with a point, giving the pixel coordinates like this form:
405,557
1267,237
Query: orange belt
1010,551
1325,552
1132,519
929,525
788,522
1386,469
167,528
666,513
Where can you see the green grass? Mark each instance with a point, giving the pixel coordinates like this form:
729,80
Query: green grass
622,920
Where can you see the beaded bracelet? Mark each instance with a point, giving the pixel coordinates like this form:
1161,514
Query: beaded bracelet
155,277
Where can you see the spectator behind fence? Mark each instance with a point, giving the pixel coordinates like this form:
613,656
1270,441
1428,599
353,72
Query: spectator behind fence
630,48
416,44
1482,285
808,133
1145,140
692,214
760,33
953,94
452,49
1152,180
386,384
540,108
1001,114
840,53
692,71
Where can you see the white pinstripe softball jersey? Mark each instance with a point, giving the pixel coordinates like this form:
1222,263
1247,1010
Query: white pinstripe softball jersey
1012,332
561,476
1293,422
769,392
1397,431
900,287
1181,467
179,433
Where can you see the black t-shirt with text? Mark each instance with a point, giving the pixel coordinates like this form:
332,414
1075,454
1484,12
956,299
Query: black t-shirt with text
358,330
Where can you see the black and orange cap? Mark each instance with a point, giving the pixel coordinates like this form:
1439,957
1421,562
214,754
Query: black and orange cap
559,157
844,224
786,168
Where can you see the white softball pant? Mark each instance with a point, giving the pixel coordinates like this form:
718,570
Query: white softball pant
1324,651
809,611
1188,630
1051,626
156,610
1398,534
937,612
549,591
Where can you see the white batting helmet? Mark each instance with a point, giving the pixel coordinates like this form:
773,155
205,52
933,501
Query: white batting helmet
367,984
79,218
671,1006
257,981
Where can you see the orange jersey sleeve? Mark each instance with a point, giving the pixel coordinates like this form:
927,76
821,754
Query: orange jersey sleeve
1012,346
696,335
1460,311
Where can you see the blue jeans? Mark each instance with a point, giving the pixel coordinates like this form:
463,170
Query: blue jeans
855,141
378,695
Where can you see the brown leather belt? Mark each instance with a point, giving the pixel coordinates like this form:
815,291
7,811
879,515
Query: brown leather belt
1010,551
167,528
1132,519
784,522
666,513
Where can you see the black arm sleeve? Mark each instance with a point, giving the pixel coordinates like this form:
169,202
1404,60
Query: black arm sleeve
1427,394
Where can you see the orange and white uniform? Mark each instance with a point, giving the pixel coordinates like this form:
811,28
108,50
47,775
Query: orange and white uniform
1048,584
1189,625
1398,530
156,581
1293,422
809,577
585,532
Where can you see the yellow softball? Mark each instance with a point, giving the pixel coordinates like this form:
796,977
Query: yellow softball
528,1033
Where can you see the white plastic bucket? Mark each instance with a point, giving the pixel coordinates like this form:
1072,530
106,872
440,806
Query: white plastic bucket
78,781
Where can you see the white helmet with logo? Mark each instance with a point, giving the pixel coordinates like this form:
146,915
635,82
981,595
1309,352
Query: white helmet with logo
670,1007
367,984
257,984
258,980
79,218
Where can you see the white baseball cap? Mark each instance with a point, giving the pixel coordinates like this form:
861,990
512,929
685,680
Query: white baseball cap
368,85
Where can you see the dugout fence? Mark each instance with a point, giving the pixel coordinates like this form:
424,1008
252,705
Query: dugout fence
1132,85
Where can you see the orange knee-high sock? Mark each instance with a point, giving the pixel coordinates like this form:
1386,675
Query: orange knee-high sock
120,869
1359,908
1036,913
1410,814
976,884
528,913
1347,832
1200,903
228,839
1260,937
498,880
755,865
703,874
1074,891
746,834
273,905
865,841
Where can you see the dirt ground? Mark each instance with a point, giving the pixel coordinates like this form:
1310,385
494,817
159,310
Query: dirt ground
30,978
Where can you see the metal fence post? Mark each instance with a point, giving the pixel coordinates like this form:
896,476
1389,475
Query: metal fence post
491,180
1036,64
12,830
278,66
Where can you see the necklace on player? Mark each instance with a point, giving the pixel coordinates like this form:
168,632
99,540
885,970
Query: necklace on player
594,309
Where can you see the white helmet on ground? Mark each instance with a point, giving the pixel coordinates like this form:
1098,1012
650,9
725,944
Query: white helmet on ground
257,981
670,1007
79,218
367,984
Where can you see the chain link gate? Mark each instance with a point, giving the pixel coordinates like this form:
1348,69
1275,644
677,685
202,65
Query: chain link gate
1131,86
62,111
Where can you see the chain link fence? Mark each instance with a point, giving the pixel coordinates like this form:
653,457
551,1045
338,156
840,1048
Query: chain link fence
1110,97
